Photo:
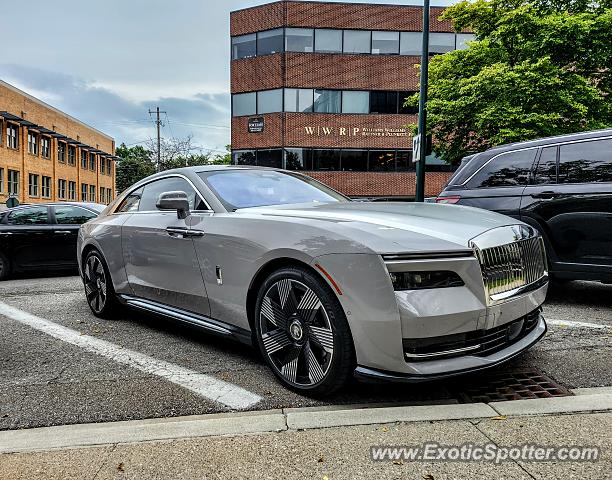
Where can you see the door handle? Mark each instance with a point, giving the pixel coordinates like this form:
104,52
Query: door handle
182,232
545,195
62,232
6,233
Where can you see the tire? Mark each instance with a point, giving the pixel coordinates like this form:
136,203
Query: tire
99,290
5,267
302,332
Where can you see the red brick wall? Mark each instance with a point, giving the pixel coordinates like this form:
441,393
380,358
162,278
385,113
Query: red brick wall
258,73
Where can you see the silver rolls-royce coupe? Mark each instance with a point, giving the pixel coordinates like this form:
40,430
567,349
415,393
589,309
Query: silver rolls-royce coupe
324,287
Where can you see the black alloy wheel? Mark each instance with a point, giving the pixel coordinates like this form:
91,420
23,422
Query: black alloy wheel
98,286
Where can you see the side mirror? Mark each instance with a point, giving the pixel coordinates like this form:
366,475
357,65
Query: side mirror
174,201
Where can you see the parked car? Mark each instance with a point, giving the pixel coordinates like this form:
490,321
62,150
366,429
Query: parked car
323,286
561,185
42,236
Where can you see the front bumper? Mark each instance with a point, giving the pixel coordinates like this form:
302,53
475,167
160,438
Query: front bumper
443,368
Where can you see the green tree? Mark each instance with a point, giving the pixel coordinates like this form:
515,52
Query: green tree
222,158
135,164
538,68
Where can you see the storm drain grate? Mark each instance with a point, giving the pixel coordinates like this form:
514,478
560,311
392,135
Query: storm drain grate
510,386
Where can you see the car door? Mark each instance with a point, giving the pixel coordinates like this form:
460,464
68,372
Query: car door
571,201
67,219
160,259
25,236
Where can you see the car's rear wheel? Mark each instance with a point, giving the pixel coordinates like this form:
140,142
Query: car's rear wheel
99,289
302,332
5,267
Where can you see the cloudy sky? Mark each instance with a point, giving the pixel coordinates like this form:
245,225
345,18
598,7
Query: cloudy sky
107,62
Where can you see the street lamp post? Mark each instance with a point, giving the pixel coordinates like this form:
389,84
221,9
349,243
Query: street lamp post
420,162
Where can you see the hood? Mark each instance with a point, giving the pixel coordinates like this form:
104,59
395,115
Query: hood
393,227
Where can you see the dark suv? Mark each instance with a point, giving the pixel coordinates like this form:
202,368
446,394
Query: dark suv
560,185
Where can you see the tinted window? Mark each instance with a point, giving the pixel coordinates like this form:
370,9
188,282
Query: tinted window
67,215
355,101
355,160
269,101
326,160
299,39
298,100
404,161
328,40
441,42
153,190
131,202
356,41
508,169
546,172
270,42
29,216
298,159
586,162
244,46
411,43
270,158
385,43
327,101
244,104
383,102
244,157
382,160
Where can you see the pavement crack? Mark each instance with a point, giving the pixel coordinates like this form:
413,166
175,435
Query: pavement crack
103,464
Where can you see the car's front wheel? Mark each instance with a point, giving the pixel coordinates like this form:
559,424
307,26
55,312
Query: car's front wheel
99,289
303,333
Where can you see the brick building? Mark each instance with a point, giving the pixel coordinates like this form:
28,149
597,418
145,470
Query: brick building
319,87
47,155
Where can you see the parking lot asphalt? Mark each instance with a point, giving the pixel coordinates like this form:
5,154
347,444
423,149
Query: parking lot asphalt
45,380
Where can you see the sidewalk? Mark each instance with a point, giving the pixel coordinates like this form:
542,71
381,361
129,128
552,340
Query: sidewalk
292,443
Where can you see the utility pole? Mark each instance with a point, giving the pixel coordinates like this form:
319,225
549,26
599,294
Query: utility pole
422,154
158,123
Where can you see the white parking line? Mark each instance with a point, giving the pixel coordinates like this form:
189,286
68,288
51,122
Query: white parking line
569,323
206,386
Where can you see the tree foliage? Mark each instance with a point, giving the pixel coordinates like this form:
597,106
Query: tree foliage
538,68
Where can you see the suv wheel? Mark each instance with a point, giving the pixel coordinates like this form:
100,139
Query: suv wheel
99,289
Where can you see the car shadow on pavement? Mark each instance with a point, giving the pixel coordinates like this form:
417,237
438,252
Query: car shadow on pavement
578,292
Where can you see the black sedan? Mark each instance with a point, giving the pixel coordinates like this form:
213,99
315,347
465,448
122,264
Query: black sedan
42,236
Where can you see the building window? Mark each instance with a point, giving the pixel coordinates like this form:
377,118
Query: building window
61,152
270,41
270,158
92,161
327,101
244,46
61,189
71,190
383,102
45,147
354,101
406,110
46,187
32,143
71,155
298,159
13,182
92,193
12,136
102,165
269,101
441,42
299,39
403,161
411,43
326,160
357,41
354,160
244,157
109,195
298,99
385,43
382,160
463,39
1,180
84,159
328,41
102,196
244,104
33,185
84,189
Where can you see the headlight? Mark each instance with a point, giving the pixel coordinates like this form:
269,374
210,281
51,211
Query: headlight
423,280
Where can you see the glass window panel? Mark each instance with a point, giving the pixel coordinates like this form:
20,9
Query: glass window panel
382,160
298,159
355,101
407,110
463,38
546,171
243,157
298,100
357,41
244,104
354,160
244,46
385,42
328,41
69,215
327,101
153,190
269,101
507,170
270,158
383,102
411,43
28,216
586,162
299,39
403,161
131,202
441,42
270,41
326,160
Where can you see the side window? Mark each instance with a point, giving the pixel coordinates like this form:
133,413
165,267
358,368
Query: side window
131,202
29,216
546,173
507,170
153,190
72,215
586,162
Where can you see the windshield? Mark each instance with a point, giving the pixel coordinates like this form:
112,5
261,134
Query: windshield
256,188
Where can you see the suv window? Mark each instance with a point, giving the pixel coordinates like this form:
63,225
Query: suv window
586,162
69,215
546,172
131,202
29,216
153,190
508,169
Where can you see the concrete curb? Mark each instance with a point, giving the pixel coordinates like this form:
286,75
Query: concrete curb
239,423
